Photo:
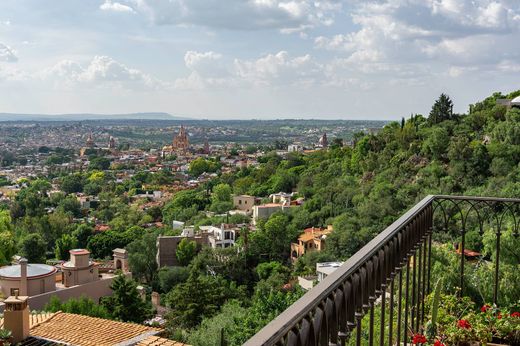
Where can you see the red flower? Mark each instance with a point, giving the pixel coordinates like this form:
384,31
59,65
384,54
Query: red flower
438,343
499,316
515,314
464,324
485,308
419,339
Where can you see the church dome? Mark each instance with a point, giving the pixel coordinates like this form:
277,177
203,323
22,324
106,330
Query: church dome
515,101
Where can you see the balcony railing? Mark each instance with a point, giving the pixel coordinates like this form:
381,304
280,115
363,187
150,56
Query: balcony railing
397,264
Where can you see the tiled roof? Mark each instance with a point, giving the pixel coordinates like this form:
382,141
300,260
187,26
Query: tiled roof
157,341
89,331
310,234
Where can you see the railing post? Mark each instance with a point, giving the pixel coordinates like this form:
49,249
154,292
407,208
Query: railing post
462,247
497,264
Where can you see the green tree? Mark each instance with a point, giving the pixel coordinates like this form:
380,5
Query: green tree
186,251
72,183
209,332
273,239
141,257
81,306
7,241
200,296
99,163
7,245
33,248
437,142
82,233
70,206
125,304
265,270
169,277
263,310
221,198
64,245
347,237
184,205
442,110
92,189
200,165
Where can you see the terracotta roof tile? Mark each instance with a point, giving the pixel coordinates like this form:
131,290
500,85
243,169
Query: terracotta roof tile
85,331
157,341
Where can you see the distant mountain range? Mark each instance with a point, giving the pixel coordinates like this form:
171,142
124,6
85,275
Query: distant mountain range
88,116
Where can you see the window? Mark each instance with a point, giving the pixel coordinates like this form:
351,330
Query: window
240,201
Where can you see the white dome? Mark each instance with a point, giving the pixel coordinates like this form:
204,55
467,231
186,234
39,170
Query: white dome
516,101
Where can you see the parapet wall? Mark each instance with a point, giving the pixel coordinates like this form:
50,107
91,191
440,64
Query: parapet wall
93,290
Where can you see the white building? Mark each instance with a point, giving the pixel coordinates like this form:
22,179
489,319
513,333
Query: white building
282,197
294,148
324,269
177,224
220,237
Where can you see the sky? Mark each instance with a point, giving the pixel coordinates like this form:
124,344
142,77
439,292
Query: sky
262,59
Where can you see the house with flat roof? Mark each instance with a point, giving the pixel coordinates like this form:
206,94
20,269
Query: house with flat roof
324,269
245,202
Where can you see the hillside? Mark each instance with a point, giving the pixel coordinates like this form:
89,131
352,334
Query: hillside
363,189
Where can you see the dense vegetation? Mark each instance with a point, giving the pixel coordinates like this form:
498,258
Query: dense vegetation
359,190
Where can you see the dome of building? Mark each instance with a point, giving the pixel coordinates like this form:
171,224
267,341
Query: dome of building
515,101
33,270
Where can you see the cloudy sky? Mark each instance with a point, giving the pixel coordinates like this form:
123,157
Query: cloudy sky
351,59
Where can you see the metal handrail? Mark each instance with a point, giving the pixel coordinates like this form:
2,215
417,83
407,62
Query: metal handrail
417,218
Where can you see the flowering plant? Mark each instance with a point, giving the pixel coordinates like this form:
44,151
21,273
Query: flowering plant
419,339
464,324
503,325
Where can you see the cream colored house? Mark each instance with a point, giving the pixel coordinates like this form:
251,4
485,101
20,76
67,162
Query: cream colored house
80,269
244,202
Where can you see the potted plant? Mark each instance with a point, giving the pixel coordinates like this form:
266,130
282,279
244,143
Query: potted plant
5,337
504,325
457,321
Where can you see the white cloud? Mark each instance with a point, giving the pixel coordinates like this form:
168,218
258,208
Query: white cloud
115,7
7,54
396,35
457,71
279,68
285,15
509,66
212,70
12,75
194,60
101,70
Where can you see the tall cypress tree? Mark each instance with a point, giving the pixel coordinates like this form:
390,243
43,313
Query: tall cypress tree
442,110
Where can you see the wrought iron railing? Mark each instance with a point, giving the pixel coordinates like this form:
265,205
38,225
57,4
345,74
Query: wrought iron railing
395,264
